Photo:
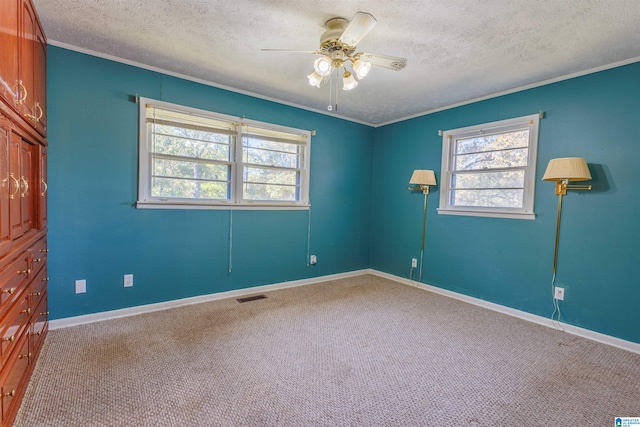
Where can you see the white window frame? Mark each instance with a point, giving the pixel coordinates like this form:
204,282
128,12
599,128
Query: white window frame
236,201
449,139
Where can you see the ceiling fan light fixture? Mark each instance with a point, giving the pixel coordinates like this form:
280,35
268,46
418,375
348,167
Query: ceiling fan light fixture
315,79
322,66
348,81
361,68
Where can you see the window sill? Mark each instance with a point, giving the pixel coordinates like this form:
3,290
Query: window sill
226,207
493,214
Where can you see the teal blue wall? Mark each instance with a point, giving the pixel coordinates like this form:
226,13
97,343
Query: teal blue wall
508,261
96,233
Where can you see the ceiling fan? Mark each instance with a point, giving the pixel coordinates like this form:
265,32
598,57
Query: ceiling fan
338,48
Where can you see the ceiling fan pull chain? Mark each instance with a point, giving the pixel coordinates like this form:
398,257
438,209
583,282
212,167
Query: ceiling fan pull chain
337,89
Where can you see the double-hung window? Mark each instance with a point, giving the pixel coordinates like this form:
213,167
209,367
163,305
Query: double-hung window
196,159
489,169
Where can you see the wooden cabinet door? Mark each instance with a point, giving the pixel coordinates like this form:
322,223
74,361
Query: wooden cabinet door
7,188
22,207
43,188
9,20
40,82
15,202
29,186
26,57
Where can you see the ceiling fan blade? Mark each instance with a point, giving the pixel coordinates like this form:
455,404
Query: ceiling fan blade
384,61
359,27
290,50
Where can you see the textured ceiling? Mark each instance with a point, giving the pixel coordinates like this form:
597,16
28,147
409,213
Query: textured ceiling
457,50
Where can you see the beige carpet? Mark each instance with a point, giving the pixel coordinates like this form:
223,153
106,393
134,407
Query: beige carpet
363,351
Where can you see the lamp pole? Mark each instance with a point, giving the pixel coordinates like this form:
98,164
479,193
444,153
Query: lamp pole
425,190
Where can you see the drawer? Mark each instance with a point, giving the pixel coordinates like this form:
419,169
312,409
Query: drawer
39,252
13,325
39,325
14,376
13,280
38,287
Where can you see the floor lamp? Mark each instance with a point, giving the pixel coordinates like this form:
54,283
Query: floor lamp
563,171
421,180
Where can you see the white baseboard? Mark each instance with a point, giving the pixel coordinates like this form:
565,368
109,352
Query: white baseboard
574,330
132,311
147,308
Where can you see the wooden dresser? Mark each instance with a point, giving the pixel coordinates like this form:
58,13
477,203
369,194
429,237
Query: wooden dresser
23,199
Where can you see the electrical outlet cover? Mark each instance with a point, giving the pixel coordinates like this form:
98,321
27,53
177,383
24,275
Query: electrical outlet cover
81,286
128,280
559,293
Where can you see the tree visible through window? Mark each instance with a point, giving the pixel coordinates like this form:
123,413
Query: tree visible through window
192,157
490,169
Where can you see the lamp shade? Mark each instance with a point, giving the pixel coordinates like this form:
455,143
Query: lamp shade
571,168
423,177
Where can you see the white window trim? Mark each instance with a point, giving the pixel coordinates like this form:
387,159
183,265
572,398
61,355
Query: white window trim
449,138
147,201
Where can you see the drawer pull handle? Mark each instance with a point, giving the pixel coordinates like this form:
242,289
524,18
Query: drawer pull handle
36,294
46,279
44,313
10,394
23,89
9,291
44,250
12,338
15,181
41,112
37,333
37,260
22,356
26,311
27,271
25,184
43,193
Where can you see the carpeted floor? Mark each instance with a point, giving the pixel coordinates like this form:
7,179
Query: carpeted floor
363,351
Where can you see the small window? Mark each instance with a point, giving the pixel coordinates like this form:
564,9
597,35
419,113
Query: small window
196,159
489,169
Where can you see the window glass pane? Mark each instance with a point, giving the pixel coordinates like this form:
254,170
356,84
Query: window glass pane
190,143
492,160
488,198
185,169
270,192
500,141
270,153
270,176
504,179
189,188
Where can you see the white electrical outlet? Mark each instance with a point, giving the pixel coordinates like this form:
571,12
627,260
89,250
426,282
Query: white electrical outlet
313,260
558,293
128,280
414,263
81,286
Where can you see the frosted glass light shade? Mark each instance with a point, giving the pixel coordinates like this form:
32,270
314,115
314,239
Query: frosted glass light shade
361,68
322,66
348,81
423,177
571,168
315,79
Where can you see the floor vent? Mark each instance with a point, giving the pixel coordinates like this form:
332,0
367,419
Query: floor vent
253,298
